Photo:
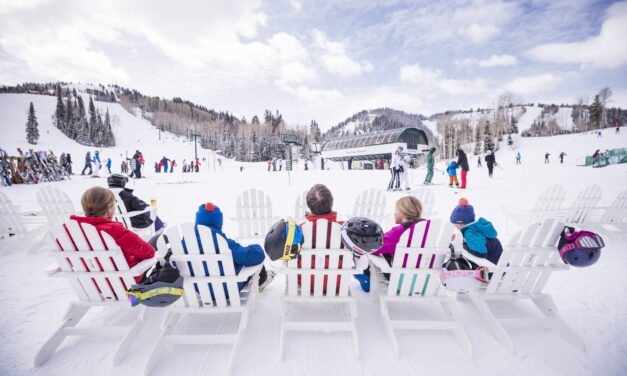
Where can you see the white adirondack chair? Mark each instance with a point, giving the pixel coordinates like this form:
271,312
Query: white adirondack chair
313,275
371,204
580,211
300,207
414,278
55,204
612,222
427,199
253,214
207,289
522,273
96,269
11,224
124,217
549,205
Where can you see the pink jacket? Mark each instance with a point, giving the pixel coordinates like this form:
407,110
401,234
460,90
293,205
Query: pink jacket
392,237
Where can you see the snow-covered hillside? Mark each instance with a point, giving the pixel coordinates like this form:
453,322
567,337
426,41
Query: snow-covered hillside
592,300
131,133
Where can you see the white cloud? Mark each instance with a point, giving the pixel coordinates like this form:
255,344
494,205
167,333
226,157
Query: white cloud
498,60
432,80
606,50
296,4
534,84
492,61
247,26
335,59
479,33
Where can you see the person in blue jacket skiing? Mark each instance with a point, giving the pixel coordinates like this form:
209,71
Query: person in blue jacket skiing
479,235
210,215
109,164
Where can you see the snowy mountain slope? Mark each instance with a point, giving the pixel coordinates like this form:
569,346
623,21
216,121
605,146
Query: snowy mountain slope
131,133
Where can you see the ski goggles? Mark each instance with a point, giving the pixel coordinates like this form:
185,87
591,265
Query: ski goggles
481,274
136,296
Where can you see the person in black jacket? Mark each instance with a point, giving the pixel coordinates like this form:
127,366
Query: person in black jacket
490,160
68,161
87,163
462,161
133,203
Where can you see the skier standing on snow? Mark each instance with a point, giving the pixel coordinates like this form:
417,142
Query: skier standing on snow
462,161
546,158
404,174
562,154
172,165
518,158
478,161
617,127
68,160
395,167
109,165
430,165
87,164
490,160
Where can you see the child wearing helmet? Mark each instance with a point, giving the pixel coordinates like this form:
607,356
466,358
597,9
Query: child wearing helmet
210,215
479,235
133,203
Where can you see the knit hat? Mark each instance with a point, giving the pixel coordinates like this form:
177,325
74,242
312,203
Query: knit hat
209,215
463,213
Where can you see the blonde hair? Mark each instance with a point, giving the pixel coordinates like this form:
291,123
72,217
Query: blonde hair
410,207
97,201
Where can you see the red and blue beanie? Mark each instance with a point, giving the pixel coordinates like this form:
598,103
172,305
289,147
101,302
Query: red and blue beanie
463,213
209,215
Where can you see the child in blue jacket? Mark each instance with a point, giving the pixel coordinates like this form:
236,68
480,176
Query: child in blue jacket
209,215
452,174
479,236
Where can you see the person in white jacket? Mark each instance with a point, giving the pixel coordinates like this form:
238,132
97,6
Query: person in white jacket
395,169
404,175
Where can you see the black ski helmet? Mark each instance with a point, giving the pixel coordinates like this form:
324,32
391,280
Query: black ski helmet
283,240
362,235
117,181
161,288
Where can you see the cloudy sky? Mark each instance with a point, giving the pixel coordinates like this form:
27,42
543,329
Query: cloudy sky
322,59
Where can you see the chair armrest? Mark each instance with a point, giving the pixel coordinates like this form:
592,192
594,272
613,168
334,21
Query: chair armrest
143,266
52,269
247,271
147,209
380,263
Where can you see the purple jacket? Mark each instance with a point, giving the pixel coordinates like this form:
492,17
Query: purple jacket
391,238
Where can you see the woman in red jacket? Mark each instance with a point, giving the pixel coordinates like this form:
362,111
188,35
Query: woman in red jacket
99,206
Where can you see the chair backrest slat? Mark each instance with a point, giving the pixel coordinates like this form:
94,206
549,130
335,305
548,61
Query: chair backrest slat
371,204
56,204
616,213
254,213
10,220
582,207
419,256
318,254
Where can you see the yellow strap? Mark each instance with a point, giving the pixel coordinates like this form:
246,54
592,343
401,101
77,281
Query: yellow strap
291,230
155,292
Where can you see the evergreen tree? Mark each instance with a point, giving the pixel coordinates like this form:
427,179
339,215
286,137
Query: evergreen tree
93,122
488,142
596,113
477,150
83,136
32,131
59,113
69,116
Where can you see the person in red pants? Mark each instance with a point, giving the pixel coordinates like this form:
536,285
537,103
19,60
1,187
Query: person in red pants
462,161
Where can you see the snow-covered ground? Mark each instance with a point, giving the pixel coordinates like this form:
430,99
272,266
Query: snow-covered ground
592,300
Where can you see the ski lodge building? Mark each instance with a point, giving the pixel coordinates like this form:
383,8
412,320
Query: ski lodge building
375,146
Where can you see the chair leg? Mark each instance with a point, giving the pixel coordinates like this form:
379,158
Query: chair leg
387,322
491,321
548,308
461,335
169,324
240,330
73,317
282,340
129,338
